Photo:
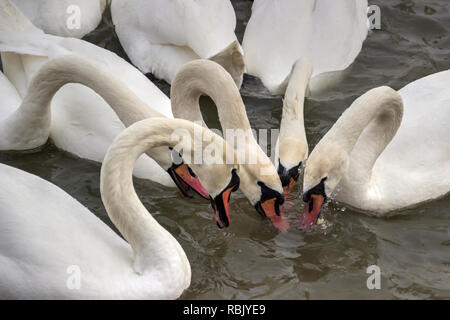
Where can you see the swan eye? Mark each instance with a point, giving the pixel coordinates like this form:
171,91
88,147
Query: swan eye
175,156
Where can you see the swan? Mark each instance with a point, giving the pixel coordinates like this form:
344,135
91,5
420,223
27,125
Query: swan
59,17
389,150
72,126
46,235
160,36
25,124
328,32
82,122
260,182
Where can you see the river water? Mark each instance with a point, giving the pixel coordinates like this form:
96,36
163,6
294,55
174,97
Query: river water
252,260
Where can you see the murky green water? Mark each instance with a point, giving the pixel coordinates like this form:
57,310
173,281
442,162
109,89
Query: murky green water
251,259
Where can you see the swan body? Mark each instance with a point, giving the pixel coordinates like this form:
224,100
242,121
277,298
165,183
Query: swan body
57,16
388,150
160,36
46,236
26,123
328,32
83,123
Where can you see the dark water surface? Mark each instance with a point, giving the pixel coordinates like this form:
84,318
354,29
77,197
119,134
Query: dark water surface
251,259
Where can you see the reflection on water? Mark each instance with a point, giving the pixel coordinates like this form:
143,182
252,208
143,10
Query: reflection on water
251,259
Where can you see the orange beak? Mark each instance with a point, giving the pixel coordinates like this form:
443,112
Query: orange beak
221,207
269,208
188,177
312,211
288,189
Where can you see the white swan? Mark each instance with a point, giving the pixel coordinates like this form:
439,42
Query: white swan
82,122
160,36
66,18
26,124
374,160
77,130
328,32
47,237
259,179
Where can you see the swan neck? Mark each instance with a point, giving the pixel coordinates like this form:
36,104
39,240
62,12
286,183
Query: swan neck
292,120
204,77
34,114
150,242
366,128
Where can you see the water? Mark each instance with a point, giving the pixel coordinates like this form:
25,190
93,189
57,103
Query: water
251,259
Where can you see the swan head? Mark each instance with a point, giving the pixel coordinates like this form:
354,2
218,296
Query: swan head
292,153
323,172
220,202
220,180
184,178
264,191
180,172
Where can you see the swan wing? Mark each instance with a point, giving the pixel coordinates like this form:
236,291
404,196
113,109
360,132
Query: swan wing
415,166
190,29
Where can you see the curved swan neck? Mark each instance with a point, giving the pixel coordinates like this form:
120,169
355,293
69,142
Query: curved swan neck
381,107
209,78
34,114
366,128
150,241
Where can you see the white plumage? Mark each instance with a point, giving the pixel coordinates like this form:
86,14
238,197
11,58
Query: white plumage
328,32
66,18
82,122
377,161
160,36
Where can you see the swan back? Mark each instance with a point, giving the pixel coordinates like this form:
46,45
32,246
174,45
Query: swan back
160,36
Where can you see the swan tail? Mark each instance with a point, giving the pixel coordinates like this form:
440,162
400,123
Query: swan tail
232,59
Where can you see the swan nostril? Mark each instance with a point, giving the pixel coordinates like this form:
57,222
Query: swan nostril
191,172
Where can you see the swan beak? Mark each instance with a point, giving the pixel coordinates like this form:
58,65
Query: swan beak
288,189
288,178
271,209
221,207
185,179
312,211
